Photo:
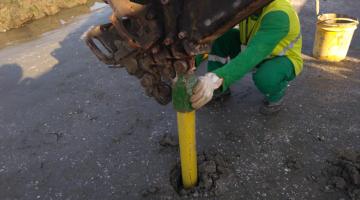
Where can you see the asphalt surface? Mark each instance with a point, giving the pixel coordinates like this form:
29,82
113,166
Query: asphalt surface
71,128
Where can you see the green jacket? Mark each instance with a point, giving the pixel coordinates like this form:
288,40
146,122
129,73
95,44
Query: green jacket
273,29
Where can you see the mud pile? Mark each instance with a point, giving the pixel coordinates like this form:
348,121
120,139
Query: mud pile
14,13
214,175
344,174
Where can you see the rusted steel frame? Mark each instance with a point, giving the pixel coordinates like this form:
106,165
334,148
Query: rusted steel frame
171,13
124,33
106,38
158,39
147,30
242,14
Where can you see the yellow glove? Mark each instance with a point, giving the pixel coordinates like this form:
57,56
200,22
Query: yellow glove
204,89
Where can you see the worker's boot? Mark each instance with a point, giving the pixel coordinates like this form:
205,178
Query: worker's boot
271,108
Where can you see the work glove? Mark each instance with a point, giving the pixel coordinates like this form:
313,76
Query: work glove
204,90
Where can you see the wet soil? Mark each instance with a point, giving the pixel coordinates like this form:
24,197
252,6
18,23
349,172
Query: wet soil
168,141
214,174
344,174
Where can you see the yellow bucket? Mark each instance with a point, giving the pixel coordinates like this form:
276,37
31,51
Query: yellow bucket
334,33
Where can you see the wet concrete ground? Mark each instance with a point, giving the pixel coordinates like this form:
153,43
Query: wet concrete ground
70,128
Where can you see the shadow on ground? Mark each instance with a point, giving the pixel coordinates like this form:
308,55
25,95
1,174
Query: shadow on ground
70,127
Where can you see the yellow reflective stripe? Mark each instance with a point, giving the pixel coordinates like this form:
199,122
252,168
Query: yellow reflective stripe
290,46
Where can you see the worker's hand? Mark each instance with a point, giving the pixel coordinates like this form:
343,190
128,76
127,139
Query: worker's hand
204,89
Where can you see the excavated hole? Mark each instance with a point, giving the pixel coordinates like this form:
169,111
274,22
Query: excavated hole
213,171
344,174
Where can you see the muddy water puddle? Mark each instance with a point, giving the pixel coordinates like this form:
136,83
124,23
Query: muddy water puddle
37,28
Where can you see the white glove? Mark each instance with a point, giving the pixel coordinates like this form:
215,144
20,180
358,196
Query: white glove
204,89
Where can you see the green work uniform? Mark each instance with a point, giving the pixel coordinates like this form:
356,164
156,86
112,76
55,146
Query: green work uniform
273,40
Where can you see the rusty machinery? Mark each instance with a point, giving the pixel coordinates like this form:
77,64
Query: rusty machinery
157,39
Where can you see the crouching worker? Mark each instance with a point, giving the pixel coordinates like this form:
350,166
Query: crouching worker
268,43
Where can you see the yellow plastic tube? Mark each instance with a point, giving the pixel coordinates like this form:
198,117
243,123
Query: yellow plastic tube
187,143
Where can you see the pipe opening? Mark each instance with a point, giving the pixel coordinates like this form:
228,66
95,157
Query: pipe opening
214,170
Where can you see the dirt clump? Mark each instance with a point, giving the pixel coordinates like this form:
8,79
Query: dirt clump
344,174
150,191
168,141
293,163
214,176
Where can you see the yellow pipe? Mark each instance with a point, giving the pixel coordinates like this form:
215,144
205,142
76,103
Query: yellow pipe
187,143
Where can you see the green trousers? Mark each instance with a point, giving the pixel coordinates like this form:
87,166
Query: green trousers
271,76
